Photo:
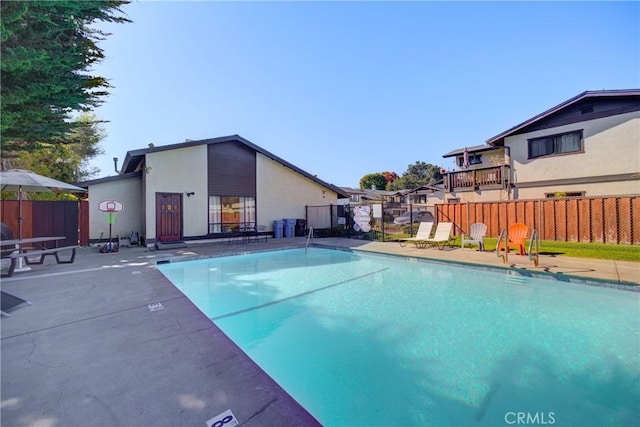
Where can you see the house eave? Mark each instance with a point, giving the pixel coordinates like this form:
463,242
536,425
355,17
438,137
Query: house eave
120,177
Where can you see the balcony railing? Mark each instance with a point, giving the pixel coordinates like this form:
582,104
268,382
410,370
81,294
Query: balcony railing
491,178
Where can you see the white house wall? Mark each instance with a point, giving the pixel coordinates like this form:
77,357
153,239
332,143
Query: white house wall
127,191
479,196
611,147
182,170
595,189
492,158
284,193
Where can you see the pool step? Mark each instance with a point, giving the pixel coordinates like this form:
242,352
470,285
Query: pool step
512,277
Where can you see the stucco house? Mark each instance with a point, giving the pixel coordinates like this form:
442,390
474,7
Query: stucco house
356,196
588,145
204,189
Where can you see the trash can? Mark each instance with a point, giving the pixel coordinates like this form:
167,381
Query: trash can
301,227
289,227
277,229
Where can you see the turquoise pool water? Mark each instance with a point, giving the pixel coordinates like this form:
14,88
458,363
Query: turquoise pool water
367,340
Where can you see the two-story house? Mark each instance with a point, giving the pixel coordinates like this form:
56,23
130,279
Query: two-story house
588,145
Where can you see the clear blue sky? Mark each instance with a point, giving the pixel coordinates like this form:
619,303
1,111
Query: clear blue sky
343,89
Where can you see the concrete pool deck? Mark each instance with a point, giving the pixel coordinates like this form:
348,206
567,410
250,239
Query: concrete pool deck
90,351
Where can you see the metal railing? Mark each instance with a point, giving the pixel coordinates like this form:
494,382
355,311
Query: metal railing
533,248
534,256
309,238
504,235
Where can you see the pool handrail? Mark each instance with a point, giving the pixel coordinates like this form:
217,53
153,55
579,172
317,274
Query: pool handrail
309,237
504,234
534,256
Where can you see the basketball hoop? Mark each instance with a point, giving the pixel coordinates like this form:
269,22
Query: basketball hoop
111,208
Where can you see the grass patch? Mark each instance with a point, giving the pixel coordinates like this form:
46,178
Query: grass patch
582,250
570,249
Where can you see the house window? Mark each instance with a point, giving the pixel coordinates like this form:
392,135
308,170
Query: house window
229,213
474,159
570,142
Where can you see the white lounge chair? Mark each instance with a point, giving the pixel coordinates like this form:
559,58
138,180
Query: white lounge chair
423,233
476,235
442,235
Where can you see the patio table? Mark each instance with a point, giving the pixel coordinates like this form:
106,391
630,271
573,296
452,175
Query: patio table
36,242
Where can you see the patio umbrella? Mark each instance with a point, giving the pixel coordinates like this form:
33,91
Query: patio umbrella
21,180
465,158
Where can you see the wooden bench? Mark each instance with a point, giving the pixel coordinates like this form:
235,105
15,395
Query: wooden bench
42,254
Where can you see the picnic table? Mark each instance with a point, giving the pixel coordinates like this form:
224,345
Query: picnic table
23,249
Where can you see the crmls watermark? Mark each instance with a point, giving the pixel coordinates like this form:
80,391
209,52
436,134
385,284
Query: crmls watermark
529,418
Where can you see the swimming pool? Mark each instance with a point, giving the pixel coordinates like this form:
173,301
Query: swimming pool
365,339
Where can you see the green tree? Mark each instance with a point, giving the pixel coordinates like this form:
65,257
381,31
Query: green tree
373,181
417,174
85,145
397,184
48,49
68,162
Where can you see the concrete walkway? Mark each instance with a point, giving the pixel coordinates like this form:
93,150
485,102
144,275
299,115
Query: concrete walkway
91,352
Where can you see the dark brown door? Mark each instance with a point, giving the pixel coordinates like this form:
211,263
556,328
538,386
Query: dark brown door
168,217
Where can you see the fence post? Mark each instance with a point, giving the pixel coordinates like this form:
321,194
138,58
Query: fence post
539,204
410,219
468,219
331,220
382,219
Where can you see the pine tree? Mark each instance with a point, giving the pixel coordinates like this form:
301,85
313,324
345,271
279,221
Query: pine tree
48,49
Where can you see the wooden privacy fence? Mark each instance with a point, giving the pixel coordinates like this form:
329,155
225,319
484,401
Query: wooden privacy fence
612,219
49,218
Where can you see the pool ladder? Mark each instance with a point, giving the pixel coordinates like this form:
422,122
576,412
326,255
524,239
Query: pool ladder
533,255
309,238
503,235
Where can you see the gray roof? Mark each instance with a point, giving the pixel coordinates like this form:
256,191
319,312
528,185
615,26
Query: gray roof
584,95
471,149
427,188
86,184
134,157
377,194
350,190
